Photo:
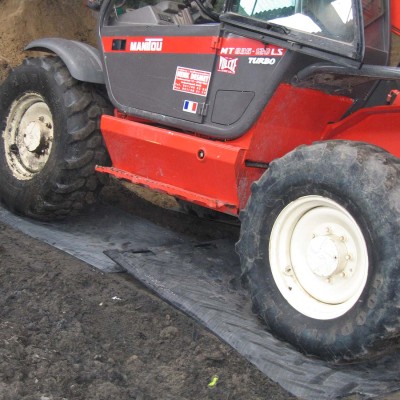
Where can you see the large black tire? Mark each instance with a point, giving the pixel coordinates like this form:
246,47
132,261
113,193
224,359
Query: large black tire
50,141
353,191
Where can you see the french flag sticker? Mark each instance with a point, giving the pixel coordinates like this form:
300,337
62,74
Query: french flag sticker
190,106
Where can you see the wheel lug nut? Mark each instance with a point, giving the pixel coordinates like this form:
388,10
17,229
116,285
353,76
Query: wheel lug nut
288,270
14,149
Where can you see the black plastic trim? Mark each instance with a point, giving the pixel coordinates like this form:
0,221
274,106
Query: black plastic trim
367,71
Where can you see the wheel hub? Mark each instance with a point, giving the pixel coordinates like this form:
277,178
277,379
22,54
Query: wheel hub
35,135
318,257
28,136
327,255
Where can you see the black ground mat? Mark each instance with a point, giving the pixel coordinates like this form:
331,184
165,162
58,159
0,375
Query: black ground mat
87,236
204,282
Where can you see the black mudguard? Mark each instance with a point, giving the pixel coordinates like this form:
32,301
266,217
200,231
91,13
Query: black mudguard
82,60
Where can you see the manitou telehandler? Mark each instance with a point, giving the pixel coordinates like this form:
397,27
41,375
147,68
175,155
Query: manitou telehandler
282,112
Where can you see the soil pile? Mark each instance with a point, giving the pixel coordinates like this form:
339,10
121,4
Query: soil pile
22,21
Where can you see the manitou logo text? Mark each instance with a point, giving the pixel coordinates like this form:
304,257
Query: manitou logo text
227,65
150,44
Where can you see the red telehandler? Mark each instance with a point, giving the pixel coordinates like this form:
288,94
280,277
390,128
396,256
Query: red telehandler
282,112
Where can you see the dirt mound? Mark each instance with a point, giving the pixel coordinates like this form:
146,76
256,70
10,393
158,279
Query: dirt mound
22,21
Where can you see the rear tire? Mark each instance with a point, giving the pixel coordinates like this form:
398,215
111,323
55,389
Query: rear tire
320,248
50,141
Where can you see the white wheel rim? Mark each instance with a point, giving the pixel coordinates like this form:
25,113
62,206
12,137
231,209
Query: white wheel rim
318,257
28,136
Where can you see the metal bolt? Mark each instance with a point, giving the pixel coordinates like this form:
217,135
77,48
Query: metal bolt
347,257
341,238
288,270
201,154
14,149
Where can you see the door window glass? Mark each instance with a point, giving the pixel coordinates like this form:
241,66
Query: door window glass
164,12
327,18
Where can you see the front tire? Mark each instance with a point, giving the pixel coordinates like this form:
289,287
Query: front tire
50,140
320,248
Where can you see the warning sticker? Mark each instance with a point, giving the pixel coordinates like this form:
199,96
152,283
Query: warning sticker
192,81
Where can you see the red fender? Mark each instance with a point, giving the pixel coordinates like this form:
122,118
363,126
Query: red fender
376,125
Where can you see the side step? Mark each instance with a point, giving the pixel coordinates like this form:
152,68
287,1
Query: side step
204,281
210,173
171,190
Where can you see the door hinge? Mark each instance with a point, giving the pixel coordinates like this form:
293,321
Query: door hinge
202,109
216,43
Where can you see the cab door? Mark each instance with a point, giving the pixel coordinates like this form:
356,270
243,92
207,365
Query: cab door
157,60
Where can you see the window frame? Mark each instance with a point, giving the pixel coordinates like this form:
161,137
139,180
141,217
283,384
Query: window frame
350,54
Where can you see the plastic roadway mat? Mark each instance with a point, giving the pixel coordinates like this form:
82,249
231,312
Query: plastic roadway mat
204,282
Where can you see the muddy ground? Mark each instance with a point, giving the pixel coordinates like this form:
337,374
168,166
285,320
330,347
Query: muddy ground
68,331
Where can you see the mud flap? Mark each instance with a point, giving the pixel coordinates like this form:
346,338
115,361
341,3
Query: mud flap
204,282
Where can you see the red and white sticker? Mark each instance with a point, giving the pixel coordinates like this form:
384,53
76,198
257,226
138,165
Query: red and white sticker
227,64
192,81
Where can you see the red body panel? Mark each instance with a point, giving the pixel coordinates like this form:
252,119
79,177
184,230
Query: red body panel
377,126
294,116
395,15
199,170
214,173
